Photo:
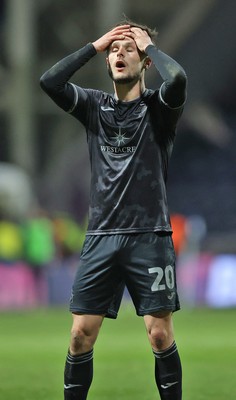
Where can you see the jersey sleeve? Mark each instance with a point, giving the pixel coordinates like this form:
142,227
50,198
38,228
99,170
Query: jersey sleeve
172,93
174,88
85,104
55,81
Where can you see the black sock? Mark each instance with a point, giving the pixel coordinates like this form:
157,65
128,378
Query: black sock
78,376
168,373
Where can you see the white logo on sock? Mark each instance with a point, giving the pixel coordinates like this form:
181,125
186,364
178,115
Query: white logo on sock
71,385
169,384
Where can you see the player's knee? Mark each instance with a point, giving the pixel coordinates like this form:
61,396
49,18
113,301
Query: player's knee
81,340
84,332
159,337
78,334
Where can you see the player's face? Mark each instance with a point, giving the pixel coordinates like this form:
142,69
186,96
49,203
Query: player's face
125,63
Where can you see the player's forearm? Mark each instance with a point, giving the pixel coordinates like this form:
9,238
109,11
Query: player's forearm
174,76
55,79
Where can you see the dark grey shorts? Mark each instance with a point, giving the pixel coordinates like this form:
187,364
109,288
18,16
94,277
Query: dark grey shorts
144,263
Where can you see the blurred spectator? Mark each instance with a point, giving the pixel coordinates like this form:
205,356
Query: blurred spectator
179,226
11,241
39,246
16,193
69,236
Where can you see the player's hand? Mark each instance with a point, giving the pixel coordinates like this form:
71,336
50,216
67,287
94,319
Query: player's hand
117,33
141,38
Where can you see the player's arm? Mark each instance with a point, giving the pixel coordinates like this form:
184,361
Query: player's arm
173,90
55,82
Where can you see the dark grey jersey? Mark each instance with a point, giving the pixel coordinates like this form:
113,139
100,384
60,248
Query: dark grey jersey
129,146
129,143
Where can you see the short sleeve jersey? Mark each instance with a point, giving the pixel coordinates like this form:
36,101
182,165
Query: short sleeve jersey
129,144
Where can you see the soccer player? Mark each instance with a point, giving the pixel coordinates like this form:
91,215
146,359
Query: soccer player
130,136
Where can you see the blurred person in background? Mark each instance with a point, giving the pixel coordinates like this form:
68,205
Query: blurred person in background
130,137
180,232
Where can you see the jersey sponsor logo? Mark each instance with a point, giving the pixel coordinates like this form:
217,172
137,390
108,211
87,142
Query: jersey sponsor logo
118,150
120,138
118,144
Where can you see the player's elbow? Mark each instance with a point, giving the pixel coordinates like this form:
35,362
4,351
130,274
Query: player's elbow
180,81
177,94
45,82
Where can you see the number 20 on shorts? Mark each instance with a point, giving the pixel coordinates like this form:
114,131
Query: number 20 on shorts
165,278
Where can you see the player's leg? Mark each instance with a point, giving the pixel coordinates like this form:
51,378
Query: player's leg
151,281
97,292
78,372
168,371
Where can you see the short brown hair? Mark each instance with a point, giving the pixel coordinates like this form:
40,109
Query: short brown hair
151,32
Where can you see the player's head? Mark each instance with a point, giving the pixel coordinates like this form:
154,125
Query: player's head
152,33
125,62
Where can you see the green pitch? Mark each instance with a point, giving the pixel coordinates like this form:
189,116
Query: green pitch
33,347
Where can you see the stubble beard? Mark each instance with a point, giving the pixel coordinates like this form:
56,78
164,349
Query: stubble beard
124,79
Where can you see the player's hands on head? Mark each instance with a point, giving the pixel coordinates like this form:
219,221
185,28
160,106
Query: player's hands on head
117,33
141,38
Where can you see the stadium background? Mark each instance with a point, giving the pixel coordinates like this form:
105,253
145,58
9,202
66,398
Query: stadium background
44,174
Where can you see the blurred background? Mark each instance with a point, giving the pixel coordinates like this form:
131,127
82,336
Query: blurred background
44,170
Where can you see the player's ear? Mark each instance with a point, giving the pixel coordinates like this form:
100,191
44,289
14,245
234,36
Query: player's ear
147,63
